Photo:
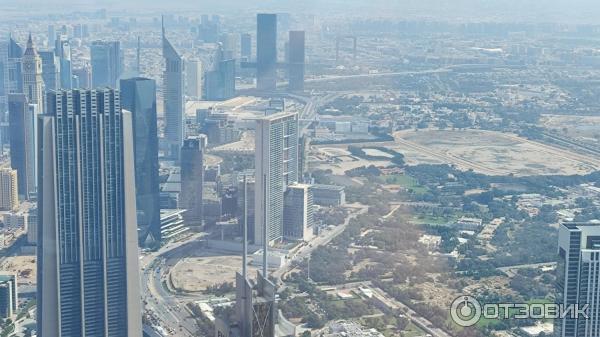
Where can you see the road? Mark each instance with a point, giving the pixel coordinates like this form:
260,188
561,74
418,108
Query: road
376,75
320,240
169,313
412,315
511,270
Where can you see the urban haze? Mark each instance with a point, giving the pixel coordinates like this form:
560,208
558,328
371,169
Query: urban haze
299,168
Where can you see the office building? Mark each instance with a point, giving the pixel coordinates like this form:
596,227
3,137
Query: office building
106,63
50,70
209,29
82,77
245,47
13,71
51,33
298,217
578,277
192,179
8,296
266,52
276,163
62,50
193,79
33,83
173,98
296,60
21,118
9,198
86,205
138,95
220,82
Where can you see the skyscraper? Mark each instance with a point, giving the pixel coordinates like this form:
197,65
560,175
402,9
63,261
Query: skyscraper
246,47
13,72
33,82
192,179
87,264
578,277
276,162
298,217
138,95
8,296
9,199
193,79
50,70
266,52
62,50
296,60
21,119
106,63
220,82
173,98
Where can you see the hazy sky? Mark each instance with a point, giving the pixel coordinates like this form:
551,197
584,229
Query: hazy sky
572,11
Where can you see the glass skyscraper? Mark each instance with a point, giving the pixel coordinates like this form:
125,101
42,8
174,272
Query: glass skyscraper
88,278
106,63
21,120
173,82
138,95
578,278
296,60
276,162
266,52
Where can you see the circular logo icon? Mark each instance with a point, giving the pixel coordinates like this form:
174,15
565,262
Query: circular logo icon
465,311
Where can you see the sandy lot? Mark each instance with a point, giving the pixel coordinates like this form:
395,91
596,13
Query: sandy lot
23,266
197,273
582,127
489,152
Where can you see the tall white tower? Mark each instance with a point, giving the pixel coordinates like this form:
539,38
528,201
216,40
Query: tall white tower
33,83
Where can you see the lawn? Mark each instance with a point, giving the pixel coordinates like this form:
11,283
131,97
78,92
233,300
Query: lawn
405,181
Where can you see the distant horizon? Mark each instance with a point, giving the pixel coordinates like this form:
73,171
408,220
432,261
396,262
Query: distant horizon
559,11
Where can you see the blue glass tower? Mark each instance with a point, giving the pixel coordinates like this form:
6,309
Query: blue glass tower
138,95
88,278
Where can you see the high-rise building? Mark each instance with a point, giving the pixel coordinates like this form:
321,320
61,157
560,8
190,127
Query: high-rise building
106,63
209,29
9,199
192,179
51,34
82,77
276,163
298,217
193,79
138,95
87,262
13,72
62,50
8,296
173,98
266,52
33,83
220,82
50,70
246,47
578,277
22,122
296,60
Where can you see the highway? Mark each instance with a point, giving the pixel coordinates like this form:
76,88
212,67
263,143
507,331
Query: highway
412,315
320,240
167,311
